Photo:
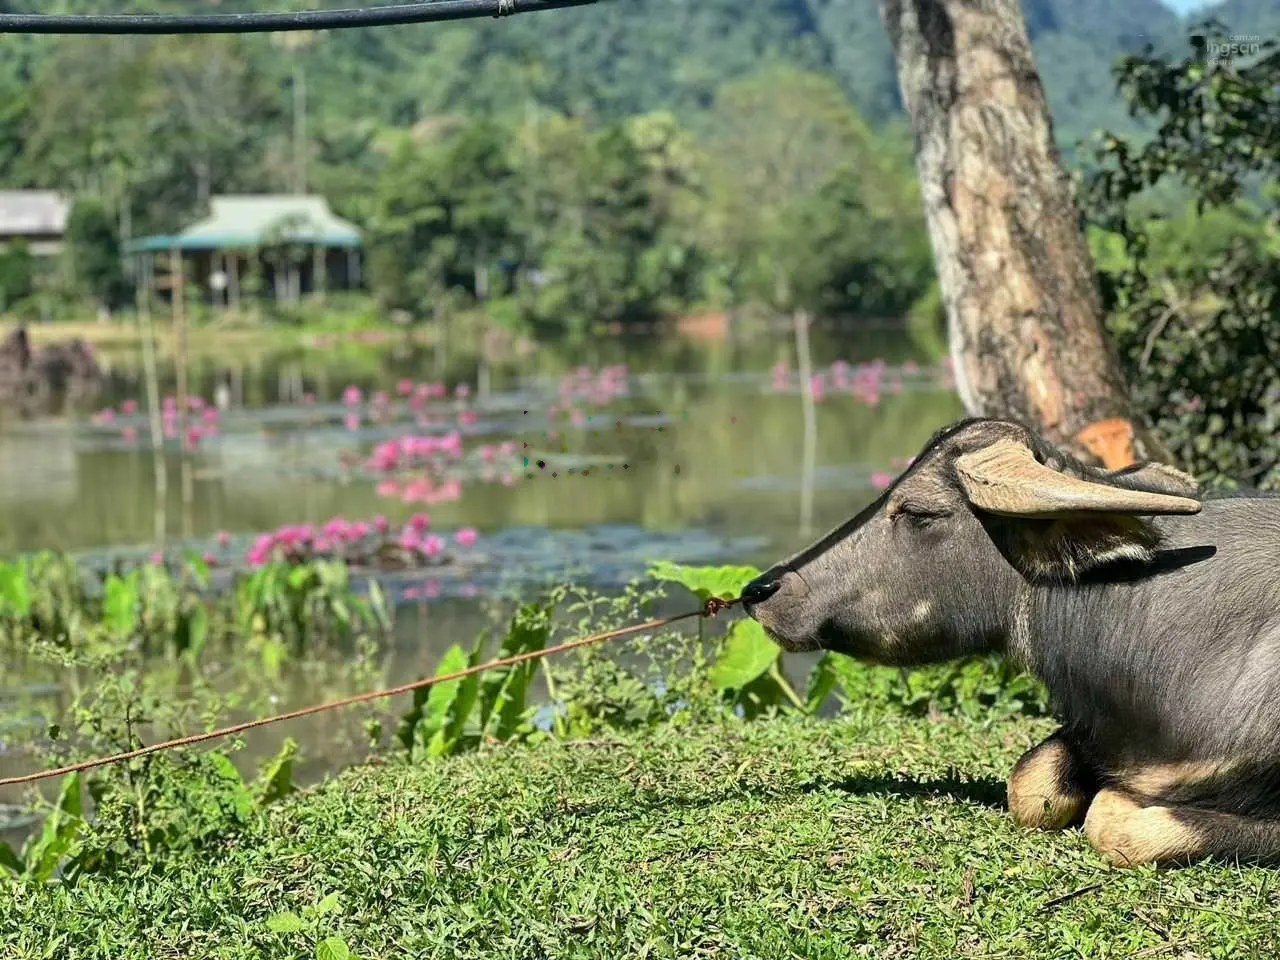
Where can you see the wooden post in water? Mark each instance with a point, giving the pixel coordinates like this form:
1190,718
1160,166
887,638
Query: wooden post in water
482,295
180,362
233,281
801,320
143,292
319,268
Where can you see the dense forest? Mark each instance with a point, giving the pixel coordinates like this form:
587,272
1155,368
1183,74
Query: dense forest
592,164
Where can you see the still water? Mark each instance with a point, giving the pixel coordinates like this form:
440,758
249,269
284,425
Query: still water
651,451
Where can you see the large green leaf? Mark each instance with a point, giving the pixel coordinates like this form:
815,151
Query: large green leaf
747,653
276,778
15,590
504,691
58,834
722,582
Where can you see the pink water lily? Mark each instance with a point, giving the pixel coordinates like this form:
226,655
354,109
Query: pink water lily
466,536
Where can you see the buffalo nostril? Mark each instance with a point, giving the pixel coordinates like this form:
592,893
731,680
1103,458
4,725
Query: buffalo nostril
758,591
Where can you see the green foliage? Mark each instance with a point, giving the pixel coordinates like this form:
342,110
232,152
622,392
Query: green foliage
48,603
17,274
493,706
43,850
93,246
1194,302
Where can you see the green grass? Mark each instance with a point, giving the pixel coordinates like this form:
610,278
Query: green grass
870,835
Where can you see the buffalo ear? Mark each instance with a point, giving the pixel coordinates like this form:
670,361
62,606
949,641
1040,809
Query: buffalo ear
1155,478
1054,525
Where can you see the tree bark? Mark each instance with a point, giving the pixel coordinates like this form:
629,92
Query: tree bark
1023,311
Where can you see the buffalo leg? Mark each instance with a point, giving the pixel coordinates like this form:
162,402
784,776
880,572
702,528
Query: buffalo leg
1049,788
1128,833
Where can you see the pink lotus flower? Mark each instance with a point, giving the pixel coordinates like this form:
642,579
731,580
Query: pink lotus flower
409,540
351,395
105,416
419,522
432,588
209,559
432,545
380,523
323,545
880,480
468,417
358,530
388,488
404,387
157,558
351,421
129,407
466,537
817,386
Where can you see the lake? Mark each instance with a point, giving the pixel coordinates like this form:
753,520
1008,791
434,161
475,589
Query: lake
585,467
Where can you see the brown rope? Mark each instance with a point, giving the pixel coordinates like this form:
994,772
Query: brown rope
712,606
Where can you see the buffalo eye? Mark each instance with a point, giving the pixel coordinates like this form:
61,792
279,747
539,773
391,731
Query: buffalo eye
918,514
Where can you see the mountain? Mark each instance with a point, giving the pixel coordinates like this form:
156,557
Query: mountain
624,56
627,56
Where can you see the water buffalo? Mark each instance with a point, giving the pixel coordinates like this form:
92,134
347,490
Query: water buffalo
1152,616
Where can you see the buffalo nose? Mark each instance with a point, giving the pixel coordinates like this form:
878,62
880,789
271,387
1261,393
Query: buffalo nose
760,590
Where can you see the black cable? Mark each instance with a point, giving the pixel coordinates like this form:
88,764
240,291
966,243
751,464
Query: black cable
137,23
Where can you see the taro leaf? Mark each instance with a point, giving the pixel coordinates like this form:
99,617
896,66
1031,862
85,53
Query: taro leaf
747,653
504,690
120,604
276,779
722,582
238,795
198,567
822,681
429,719
58,834
10,860
759,695
15,590
333,948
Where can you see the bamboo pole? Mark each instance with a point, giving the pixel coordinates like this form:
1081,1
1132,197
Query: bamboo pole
180,358
801,321
145,284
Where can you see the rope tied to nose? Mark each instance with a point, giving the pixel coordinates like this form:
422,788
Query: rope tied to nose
709,609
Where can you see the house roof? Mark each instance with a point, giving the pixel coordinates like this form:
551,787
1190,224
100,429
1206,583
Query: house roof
257,221
33,212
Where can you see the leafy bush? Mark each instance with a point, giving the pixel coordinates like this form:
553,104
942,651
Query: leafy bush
1195,309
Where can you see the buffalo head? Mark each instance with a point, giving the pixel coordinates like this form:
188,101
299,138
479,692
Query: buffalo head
931,570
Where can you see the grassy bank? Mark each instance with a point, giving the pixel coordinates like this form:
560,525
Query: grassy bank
871,835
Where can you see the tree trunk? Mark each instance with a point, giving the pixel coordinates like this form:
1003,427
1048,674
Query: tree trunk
1024,314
